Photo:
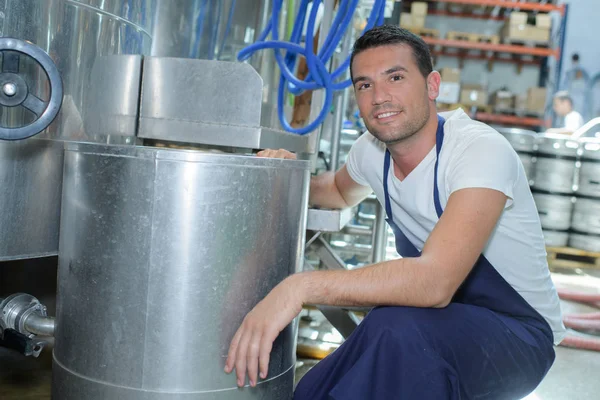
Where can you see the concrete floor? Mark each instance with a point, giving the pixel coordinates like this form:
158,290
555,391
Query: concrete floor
574,375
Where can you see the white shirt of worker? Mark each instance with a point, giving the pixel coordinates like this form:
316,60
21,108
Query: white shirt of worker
473,156
573,121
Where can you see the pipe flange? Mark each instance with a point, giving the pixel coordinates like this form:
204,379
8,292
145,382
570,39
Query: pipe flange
15,309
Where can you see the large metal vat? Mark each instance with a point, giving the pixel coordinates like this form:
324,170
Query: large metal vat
554,210
524,143
555,169
589,174
162,254
82,37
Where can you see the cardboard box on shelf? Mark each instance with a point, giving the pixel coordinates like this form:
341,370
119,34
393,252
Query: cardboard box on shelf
517,18
412,21
418,8
449,92
502,100
473,97
450,74
538,34
543,20
536,100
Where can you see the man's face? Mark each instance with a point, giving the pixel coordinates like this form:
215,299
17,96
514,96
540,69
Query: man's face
561,107
391,93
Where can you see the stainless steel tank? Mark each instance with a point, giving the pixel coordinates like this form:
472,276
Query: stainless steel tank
586,216
162,254
85,39
556,164
554,210
555,238
524,143
585,242
589,173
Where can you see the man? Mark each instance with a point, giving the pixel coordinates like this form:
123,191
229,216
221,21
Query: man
563,107
470,310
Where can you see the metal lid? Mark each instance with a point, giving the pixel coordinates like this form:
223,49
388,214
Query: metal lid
555,144
520,139
589,148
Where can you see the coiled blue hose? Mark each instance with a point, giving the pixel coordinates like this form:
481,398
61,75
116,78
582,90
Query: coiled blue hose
318,76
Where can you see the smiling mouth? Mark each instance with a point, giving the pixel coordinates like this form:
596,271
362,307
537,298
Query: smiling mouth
387,114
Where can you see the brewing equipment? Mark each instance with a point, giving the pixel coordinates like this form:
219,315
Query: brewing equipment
162,250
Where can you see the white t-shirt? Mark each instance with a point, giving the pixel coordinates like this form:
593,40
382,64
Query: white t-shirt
573,121
473,155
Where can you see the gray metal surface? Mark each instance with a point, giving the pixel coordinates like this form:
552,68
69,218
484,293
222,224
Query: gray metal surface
208,102
586,216
554,210
585,242
528,162
111,113
522,140
555,238
379,241
30,182
555,144
162,254
207,29
328,220
554,175
589,179
81,36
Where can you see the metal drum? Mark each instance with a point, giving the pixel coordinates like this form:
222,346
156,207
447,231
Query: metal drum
28,227
524,143
85,39
555,238
589,173
556,164
162,254
586,216
554,210
585,242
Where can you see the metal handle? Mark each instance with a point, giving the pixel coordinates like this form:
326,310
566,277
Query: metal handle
15,92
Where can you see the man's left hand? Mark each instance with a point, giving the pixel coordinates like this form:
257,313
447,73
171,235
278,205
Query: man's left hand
251,345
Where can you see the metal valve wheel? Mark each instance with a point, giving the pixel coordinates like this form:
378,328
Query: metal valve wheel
15,92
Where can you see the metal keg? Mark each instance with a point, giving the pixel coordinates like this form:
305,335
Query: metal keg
554,210
586,216
585,241
556,163
555,238
589,173
162,254
524,143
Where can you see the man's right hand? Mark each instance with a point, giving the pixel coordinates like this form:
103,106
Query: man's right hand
268,153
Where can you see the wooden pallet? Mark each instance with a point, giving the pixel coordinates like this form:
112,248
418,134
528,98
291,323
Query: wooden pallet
568,257
526,43
473,37
426,32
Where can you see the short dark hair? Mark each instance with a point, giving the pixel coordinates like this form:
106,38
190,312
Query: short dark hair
389,35
563,95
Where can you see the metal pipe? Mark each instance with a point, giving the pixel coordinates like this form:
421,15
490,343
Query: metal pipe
341,102
318,96
359,230
379,243
39,325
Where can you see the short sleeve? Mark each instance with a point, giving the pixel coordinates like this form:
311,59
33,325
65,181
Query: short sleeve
356,160
573,121
490,162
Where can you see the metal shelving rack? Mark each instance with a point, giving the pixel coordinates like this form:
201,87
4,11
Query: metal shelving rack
501,52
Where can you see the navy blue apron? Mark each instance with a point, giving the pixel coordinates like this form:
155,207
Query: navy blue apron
488,343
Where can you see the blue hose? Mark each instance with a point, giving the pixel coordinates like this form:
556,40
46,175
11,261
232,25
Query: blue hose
318,76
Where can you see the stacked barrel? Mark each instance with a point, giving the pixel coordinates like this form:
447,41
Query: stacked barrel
564,174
